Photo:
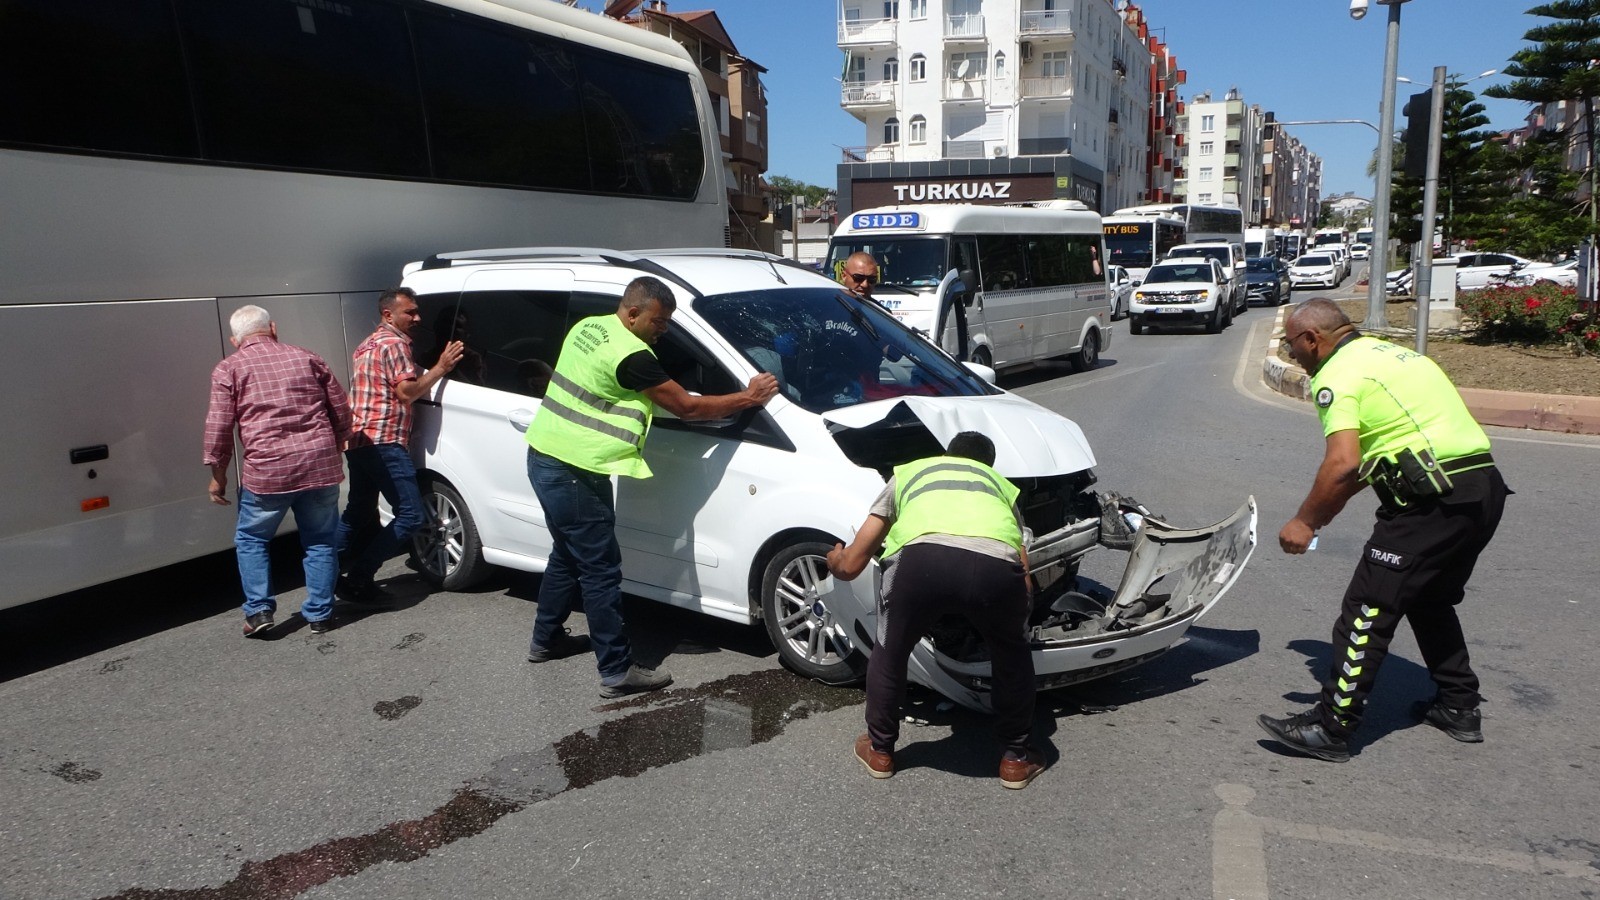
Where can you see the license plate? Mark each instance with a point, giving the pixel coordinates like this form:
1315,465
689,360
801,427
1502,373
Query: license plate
1169,311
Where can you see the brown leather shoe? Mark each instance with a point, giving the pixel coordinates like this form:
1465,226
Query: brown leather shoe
1016,774
878,763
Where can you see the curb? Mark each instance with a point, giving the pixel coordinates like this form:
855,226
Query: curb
1539,412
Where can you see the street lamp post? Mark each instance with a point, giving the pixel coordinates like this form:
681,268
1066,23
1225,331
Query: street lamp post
1376,316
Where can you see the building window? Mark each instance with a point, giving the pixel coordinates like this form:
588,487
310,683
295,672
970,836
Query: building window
919,130
1206,173
1207,148
891,69
1054,64
891,9
1000,65
968,66
891,131
1203,198
855,72
919,67
1208,123
752,128
919,9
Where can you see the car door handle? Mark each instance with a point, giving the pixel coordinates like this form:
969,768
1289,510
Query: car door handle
520,419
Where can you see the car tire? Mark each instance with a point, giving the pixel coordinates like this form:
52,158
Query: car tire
809,638
447,550
1088,354
1135,324
980,355
1214,324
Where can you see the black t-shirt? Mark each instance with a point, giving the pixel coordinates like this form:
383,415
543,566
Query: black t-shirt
640,371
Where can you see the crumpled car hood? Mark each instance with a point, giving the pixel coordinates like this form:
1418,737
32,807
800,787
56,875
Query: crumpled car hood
1029,440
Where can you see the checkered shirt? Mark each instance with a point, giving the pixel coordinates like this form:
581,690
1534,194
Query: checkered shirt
381,362
291,413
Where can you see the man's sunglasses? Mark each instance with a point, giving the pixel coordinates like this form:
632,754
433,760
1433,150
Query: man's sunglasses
858,278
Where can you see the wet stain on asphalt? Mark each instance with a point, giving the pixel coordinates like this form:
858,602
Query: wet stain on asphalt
394,709
667,727
1531,696
114,665
75,773
410,640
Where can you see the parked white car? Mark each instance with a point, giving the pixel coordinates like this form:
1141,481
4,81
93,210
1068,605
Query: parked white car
1473,270
1564,274
1314,270
741,512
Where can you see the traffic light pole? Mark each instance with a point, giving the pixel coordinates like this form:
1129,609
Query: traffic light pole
1430,204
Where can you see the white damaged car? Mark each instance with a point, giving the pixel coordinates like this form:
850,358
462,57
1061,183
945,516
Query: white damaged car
741,512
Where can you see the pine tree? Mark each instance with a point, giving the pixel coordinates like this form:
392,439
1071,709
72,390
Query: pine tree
1561,66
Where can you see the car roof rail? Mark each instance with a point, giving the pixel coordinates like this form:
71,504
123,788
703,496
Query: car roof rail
510,254
734,253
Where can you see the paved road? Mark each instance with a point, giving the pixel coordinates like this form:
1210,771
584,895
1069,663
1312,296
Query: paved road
414,754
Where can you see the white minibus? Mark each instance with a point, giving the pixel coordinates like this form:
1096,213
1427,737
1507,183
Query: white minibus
1038,283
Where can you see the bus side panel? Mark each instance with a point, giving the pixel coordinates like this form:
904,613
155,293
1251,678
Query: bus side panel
133,378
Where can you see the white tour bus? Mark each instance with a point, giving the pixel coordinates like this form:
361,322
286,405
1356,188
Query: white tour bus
1039,285
187,158
1138,242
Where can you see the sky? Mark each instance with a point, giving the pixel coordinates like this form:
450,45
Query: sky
1300,59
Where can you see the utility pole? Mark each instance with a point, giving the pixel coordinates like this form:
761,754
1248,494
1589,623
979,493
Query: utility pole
794,222
1430,204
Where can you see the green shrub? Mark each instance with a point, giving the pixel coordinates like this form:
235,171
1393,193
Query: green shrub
1541,315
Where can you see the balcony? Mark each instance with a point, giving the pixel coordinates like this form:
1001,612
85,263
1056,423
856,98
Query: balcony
1045,23
1044,146
1047,87
964,27
1119,67
963,89
866,94
880,153
867,32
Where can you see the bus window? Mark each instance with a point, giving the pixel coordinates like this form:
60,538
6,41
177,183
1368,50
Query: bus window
1003,267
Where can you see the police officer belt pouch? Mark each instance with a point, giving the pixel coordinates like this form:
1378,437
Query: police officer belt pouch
1422,474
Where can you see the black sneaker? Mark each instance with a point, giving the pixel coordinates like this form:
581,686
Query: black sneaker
1305,733
323,626
1465,725
638,680
566,644
258,624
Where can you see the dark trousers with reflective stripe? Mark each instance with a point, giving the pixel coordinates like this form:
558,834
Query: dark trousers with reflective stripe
1415,566
926,582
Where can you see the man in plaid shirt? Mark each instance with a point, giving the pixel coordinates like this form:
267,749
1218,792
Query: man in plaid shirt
384,383
292,417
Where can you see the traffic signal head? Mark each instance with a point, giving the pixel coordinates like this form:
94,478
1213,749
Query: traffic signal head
1419,115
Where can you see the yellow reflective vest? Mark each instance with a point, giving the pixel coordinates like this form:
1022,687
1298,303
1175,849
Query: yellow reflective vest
588,419
951,495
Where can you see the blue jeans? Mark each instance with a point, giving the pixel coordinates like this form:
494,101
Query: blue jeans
378,469
585,560
316,513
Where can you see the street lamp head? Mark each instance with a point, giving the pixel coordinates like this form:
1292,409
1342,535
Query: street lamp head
1358,9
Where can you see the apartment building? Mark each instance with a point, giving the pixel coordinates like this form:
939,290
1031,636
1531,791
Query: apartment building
1164,158
1291,186
1222,145
995,101
735,85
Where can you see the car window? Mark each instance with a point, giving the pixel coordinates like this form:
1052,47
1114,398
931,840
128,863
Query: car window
512,338
829,350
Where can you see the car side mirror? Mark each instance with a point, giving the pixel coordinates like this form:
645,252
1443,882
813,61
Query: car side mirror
1137,282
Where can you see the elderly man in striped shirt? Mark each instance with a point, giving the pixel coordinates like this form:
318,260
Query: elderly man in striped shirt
292,418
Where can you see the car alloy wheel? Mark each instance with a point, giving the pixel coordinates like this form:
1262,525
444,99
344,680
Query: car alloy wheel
810,638
447,548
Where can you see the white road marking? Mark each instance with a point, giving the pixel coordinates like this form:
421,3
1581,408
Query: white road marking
1239,860
1059,386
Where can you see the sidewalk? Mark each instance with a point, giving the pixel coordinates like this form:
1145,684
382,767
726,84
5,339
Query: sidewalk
1541,412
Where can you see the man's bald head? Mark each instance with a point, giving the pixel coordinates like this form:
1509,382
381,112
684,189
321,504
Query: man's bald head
1318,314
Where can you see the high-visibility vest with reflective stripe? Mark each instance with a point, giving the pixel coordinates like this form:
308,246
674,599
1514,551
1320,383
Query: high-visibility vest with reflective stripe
951,495
588,419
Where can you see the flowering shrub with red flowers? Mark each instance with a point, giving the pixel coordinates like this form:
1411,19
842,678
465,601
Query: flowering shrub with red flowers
1540,315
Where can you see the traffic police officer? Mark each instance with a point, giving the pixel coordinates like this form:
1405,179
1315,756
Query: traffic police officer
1393,420
592,425
951,541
